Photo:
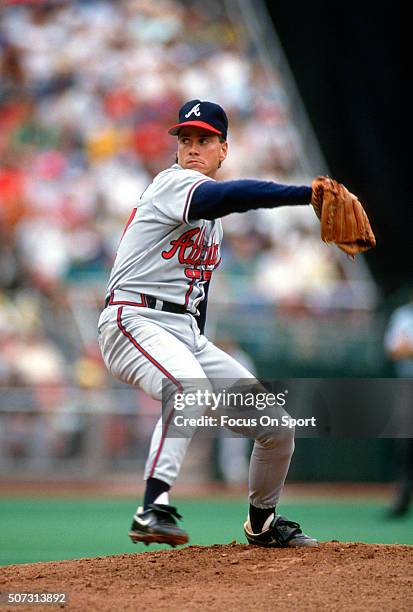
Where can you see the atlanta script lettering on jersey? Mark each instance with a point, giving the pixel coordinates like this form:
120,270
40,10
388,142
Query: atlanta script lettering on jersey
190,249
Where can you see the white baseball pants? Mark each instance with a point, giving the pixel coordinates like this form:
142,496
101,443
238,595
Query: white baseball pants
141,346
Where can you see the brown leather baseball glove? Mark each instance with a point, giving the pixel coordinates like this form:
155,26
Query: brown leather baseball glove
343,219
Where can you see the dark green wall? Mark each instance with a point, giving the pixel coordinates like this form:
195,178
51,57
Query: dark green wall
351,65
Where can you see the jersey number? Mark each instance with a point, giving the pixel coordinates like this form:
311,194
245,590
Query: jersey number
194,274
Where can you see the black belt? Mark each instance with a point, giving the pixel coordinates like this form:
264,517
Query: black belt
150,302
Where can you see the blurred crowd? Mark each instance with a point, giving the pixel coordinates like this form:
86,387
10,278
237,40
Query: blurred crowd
88,89
90,430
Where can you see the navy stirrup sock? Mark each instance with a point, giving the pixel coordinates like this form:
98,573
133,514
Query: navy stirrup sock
154,488
258,516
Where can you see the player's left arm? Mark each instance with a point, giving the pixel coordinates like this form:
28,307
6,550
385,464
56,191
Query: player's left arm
344,221
213,200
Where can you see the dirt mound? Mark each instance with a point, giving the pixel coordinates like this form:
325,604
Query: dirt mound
335,576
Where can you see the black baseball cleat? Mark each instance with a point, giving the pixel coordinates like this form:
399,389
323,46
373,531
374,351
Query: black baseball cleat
157,524
278,532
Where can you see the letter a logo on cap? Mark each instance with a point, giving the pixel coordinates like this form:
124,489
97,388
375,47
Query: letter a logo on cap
195,110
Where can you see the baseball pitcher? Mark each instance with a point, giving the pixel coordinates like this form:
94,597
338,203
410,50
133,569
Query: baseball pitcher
151,329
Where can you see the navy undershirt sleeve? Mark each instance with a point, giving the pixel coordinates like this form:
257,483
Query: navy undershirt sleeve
213,200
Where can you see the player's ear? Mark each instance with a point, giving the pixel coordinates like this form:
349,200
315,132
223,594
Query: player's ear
224,151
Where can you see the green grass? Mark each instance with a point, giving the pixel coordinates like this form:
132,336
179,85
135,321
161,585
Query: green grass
43,529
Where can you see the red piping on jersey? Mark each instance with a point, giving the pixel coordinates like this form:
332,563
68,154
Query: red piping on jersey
131,218
164,371
188,293
189,198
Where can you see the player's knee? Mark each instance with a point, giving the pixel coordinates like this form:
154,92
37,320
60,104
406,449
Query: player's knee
283,442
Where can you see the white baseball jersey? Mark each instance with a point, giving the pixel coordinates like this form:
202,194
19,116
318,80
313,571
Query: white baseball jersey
161,252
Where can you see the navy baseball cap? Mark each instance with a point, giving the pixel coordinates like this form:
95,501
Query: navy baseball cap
202,114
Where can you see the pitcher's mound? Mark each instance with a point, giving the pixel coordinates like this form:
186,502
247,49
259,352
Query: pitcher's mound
335,576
